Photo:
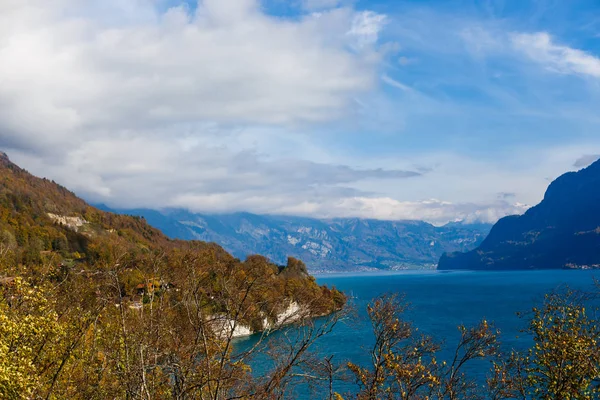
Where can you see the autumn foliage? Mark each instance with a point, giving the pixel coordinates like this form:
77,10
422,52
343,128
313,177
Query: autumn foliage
95,305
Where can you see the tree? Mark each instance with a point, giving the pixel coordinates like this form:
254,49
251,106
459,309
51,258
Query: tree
404,363
564,362
28,324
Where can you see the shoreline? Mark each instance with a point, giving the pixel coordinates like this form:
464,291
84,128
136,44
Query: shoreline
355,274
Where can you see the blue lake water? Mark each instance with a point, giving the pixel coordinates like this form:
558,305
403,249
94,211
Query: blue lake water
440,301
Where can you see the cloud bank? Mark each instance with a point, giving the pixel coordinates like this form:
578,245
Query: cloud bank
225,62
221,107
135,106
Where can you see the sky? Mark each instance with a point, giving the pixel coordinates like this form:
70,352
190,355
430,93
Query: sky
387,109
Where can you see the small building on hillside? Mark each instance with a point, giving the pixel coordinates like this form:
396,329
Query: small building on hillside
152,286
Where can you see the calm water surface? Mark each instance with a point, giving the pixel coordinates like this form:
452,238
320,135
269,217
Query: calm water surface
440,301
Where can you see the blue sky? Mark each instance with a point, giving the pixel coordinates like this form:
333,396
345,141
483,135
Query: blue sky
464,88
430,110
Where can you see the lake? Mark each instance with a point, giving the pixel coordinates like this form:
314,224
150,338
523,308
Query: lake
440,301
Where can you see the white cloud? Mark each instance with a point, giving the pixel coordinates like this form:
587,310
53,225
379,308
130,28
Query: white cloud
384,208
433,210
366,27
538,47
228,63
150,172
394,83
541,48
586,160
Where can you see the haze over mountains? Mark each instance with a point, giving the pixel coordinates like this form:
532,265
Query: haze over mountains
563,231
346,244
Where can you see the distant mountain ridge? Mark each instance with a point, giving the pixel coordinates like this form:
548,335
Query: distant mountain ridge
343,244
563,231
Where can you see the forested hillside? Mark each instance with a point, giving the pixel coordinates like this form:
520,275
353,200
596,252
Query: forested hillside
95,305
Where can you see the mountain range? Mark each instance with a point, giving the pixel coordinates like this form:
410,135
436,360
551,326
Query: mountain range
563,231
342,244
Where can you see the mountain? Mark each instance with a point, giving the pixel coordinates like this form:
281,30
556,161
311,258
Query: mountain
325,245
49,234
563,231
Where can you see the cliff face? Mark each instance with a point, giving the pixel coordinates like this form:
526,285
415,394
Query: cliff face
563,231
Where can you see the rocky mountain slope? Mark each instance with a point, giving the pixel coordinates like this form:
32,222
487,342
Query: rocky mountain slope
325,245
563,231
